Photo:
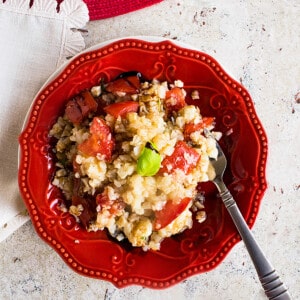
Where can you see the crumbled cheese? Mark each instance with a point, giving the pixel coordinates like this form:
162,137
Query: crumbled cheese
201,216
195,95
178,83
96,90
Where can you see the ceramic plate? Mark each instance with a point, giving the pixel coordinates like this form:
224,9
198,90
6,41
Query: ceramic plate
194,251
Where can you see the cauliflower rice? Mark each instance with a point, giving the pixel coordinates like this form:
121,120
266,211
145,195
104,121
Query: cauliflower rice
135,186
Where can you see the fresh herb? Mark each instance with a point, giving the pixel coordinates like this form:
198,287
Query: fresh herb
149,161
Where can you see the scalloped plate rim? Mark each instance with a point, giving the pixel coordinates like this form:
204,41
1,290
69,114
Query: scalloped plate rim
152,39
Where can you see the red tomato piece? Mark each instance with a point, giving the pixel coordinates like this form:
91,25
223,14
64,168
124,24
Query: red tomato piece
190,127
129,85
92,146
169,212
113,206
100,142
80,106
73,112
87,103
99,128
134,81
183,157
175,99
121,108
103,200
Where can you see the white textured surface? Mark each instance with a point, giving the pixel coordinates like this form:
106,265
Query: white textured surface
258,43
34,42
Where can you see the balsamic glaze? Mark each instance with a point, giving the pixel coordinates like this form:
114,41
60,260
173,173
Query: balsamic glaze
131,73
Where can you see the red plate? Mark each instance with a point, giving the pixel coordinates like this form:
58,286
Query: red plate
194,251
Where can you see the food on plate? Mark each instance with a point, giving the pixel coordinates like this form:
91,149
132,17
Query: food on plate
129,156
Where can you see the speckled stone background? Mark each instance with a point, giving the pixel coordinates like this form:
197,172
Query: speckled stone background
258,43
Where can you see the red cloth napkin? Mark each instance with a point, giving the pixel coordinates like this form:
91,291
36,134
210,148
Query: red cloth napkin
101,9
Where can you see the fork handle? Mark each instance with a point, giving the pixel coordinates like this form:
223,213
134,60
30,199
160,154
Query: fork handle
273,286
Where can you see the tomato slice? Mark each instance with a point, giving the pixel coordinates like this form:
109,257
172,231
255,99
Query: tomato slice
73,112
183,157
113,206
87,103
100,142
80,106
190,127
134,81
121,108
99,128
169,212
129,85
175,99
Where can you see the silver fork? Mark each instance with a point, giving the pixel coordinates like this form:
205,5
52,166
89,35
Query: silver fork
273,286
